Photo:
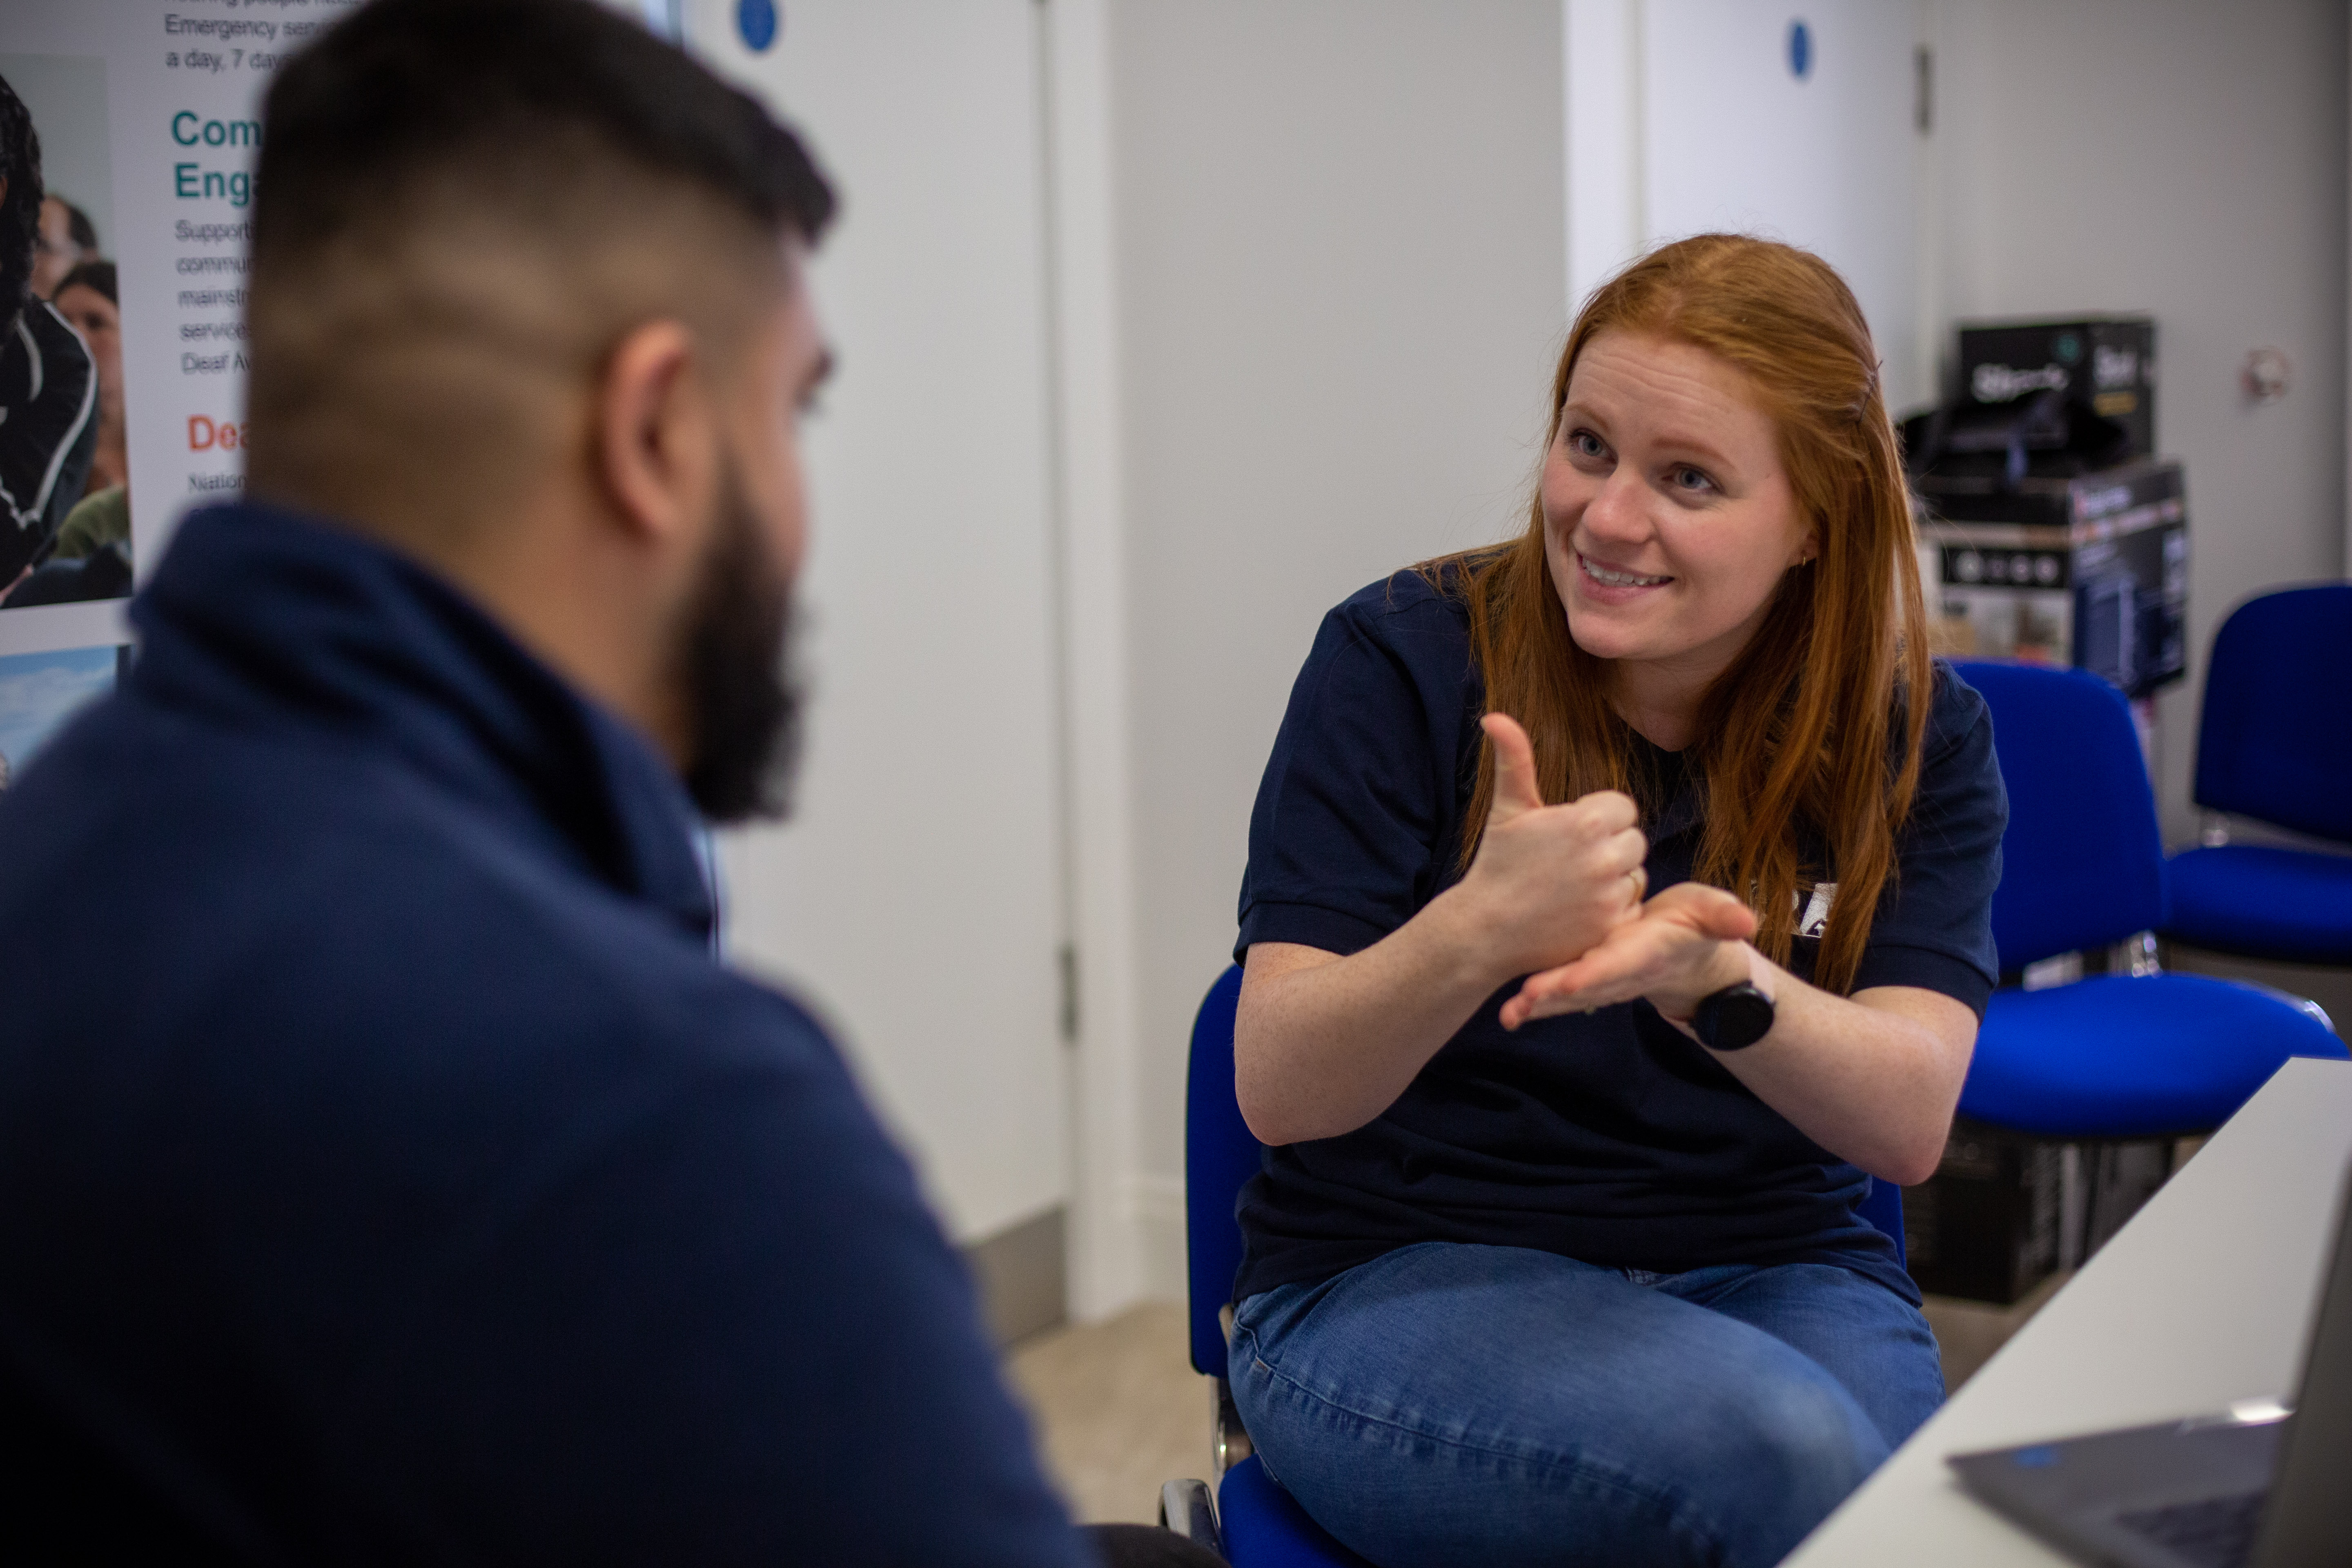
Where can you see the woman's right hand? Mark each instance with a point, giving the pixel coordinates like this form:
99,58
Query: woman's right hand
1548,882
1323,1043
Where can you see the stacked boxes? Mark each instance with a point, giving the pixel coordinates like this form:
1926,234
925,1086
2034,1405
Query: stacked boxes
2031,554
2035,558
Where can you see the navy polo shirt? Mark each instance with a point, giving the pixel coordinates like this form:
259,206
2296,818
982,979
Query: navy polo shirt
1611,1137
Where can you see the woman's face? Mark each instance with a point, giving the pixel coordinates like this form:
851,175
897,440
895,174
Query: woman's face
93,315
1667,519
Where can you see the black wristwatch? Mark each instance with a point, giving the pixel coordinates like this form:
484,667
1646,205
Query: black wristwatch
1733,1018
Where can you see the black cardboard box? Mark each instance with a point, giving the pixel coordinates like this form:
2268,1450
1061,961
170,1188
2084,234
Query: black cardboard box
2091,571
2105,363
2006,1210
1985,1227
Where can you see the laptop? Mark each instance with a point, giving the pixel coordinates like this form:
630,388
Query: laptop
2257,1486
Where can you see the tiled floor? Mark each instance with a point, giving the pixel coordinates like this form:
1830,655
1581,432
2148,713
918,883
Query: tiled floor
1120,1409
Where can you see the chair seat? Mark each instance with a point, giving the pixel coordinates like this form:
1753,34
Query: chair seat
1264,1527
2267,902
2116,1058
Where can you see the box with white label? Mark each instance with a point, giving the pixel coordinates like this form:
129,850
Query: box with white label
2091,571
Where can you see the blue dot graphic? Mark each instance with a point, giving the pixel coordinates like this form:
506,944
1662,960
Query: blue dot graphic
1800,50
755,20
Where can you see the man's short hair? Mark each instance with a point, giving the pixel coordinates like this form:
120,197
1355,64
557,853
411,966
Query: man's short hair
94,275
79,227
462,206
20,210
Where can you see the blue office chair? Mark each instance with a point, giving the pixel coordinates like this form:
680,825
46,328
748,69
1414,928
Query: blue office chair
1252,1520
2145,1055
2274,744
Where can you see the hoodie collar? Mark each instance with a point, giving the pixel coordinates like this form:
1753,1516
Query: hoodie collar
264,618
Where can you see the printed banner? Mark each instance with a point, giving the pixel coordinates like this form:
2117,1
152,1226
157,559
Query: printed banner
122,382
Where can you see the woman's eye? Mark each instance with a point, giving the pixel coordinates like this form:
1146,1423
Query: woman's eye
1690,478
1585,444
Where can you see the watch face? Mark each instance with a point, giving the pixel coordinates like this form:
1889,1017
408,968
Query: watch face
1735,1017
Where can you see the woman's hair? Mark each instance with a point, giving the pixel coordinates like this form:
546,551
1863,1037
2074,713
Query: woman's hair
20,209
1799,730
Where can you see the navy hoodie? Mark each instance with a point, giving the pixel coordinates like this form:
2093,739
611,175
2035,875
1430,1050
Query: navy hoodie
388,1172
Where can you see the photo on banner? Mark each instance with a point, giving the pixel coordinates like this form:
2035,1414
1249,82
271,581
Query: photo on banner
148,114
64,462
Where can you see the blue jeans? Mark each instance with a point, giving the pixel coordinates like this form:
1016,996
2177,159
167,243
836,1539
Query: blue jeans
1494,1405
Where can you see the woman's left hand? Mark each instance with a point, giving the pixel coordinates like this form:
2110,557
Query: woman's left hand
1687,943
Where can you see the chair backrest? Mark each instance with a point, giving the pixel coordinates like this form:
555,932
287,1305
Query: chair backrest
2276,740
2082,864
1220,1155
1882,1206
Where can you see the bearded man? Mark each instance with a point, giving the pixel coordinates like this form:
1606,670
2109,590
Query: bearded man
388,1172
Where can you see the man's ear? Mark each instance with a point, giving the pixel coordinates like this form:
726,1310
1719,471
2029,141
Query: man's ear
656,438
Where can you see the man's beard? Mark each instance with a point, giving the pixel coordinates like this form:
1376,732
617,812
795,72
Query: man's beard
743,700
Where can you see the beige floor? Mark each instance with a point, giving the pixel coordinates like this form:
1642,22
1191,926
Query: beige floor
1969,1331
1120,1409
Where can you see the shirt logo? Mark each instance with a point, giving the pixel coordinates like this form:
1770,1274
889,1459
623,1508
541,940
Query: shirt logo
1813,914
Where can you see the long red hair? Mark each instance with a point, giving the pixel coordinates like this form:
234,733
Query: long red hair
1799,733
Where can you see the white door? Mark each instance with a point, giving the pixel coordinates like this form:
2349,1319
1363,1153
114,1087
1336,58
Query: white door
915,895
1798,123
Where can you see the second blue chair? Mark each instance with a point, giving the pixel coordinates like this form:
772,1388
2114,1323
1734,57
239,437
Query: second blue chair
2276,746
2145,1055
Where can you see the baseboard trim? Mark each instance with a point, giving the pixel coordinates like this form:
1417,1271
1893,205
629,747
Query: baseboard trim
1023,1274
1156,1202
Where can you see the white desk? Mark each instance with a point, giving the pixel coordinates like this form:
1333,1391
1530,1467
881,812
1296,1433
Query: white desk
2206,1297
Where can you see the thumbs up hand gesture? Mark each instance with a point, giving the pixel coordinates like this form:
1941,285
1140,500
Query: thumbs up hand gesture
1551,881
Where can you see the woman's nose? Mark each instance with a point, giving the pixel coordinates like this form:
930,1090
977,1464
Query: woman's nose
1616,513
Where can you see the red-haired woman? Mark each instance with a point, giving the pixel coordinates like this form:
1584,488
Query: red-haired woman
1617,909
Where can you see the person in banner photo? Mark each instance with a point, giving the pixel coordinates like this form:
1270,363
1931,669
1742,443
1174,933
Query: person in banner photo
90,558
48,382
88,301
64,240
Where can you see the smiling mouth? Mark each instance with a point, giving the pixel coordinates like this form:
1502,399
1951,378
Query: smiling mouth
1609,579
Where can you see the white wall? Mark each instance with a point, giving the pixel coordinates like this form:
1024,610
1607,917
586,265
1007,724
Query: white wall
915,896
2186,159
1340,264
